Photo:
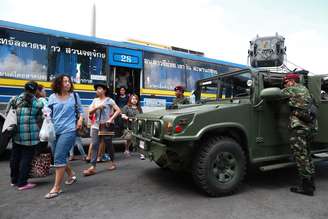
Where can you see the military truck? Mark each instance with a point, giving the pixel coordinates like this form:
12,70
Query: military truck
239,122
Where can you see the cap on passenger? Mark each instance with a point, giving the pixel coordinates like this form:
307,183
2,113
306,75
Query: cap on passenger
291,76
100,84
179,87
31,86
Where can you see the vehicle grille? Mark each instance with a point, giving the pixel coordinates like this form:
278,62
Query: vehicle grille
146,128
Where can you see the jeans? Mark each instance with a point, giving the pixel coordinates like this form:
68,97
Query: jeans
78,143
20,163
95,146
61,147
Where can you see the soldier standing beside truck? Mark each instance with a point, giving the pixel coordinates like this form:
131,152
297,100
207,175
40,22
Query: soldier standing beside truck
301,130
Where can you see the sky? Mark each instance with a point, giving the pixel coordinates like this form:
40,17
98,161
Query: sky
221,29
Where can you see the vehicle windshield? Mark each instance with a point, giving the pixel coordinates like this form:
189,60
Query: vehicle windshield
227,86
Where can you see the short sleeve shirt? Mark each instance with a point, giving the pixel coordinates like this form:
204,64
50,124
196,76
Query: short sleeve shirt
63,112
102,115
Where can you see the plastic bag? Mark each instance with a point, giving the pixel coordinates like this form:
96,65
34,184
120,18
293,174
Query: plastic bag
47,132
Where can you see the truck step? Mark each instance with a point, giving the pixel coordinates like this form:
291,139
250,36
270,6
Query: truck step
289,164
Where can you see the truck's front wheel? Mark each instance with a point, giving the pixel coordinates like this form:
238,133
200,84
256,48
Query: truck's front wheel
219,166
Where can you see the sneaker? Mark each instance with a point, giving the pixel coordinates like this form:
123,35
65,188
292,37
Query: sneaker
142,157
105,158
27,186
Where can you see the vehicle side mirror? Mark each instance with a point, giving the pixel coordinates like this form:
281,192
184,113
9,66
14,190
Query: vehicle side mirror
270,93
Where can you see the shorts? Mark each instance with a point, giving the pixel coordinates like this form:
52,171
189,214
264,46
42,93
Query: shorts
61,147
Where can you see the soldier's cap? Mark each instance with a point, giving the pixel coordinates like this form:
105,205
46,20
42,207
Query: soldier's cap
100,84
291,76
179,87
31,86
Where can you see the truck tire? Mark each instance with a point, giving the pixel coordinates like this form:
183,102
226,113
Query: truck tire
219,166
2,146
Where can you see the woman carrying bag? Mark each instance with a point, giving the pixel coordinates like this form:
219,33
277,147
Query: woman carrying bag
63,104
105,110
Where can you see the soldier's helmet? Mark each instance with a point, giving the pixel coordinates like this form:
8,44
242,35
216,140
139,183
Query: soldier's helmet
291,76
179,87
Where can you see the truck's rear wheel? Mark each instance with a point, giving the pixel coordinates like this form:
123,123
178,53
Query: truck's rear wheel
219,166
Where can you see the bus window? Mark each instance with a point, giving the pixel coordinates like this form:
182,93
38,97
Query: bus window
83,61
23,55
163,72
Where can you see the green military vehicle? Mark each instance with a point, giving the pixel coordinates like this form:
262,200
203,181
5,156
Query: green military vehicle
238,122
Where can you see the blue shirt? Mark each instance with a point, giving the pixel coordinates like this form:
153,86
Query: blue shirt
63,112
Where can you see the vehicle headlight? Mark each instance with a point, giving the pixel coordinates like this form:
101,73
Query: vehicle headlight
157,129
140,126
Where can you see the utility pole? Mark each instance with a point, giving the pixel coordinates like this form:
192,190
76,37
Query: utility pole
93,28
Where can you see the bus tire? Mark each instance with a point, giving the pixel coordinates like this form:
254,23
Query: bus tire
219,166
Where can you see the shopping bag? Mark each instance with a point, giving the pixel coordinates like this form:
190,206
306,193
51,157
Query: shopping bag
10,123
41,165
47,132
9,128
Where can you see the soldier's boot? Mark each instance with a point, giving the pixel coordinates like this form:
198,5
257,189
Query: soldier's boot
306,187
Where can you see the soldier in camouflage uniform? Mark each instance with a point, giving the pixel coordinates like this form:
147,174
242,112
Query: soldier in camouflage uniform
180,98
301,129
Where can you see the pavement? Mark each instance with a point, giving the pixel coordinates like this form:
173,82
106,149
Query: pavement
140,189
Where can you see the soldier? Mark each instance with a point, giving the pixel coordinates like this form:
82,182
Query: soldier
180,98
301,132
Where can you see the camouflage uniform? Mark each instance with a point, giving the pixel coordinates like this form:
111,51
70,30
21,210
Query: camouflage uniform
301,132
180,100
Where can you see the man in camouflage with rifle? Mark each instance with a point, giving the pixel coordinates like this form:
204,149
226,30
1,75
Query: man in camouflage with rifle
302,126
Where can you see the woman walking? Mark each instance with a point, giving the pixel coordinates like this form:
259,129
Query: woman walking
105,110
66,113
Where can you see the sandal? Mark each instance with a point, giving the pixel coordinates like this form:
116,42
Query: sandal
89,172
71,180
112,167
51,195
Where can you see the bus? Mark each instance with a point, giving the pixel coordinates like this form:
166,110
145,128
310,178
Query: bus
33,53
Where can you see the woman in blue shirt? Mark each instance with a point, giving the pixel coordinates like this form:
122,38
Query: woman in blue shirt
64,106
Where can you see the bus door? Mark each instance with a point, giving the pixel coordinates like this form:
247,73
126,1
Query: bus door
125,69
128,78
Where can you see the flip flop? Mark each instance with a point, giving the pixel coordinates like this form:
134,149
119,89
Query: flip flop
51,195
71,180
89,172
112,167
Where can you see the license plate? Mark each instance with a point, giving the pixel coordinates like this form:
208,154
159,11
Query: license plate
142,144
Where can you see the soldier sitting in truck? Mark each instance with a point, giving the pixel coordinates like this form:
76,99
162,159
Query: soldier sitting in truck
180,98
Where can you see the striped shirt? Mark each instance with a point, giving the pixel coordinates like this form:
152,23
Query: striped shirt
29,119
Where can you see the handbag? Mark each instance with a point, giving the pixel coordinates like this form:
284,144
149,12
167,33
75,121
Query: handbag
41,165
10,123
9,127
106,129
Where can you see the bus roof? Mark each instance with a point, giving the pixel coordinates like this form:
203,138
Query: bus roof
39,30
